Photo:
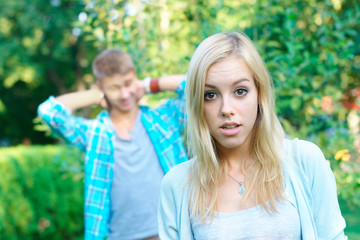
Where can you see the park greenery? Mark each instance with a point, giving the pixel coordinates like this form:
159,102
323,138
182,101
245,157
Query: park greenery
310,47
41,193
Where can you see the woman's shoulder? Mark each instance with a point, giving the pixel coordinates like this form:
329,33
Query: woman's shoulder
175,181
178,173
304,154
302,147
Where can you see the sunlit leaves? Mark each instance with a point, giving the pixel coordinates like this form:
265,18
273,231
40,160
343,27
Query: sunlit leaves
38,52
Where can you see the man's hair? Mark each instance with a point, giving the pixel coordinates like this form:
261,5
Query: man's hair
207,171
110,62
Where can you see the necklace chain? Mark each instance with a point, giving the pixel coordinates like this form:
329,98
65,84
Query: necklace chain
242,189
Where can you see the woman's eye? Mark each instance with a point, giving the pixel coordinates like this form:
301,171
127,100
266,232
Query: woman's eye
240,91
209,95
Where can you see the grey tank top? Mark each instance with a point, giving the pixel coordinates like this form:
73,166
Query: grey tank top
252,224
136,187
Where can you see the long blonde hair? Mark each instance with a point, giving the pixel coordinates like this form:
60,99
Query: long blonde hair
207,171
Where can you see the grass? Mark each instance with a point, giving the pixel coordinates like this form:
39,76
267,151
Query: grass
352,218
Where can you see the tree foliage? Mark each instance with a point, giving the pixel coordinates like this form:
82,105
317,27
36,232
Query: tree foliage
39,56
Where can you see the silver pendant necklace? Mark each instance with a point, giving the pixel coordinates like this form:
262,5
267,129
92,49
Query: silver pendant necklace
242,189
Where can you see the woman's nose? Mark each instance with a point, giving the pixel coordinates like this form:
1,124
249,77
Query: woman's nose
227,109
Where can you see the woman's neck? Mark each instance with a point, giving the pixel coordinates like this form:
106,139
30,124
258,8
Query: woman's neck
235,158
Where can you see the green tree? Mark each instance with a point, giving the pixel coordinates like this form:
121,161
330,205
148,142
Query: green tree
40,56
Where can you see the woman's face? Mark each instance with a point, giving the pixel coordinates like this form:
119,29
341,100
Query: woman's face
230,103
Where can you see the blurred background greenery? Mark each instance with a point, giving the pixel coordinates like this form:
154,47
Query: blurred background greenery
311,48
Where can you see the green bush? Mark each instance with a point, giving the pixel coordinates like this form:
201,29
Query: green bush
312,52
41,193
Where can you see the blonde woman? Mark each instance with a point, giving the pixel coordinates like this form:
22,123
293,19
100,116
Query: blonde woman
246,180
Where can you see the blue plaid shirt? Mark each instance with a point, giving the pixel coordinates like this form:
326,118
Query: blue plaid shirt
163,124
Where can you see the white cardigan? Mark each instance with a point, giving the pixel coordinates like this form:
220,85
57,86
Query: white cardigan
309,185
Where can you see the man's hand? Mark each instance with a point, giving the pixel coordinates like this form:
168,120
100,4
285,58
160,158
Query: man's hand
140,89
103,101
81,99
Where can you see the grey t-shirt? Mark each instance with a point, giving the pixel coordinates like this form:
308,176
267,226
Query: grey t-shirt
135,188
252,224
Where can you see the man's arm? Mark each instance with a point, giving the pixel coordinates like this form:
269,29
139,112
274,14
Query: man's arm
56,113
166,83
81,99
174,108
170,83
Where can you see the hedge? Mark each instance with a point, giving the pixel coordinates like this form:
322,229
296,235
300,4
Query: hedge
41,193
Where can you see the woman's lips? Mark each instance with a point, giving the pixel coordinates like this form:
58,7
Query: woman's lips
230,129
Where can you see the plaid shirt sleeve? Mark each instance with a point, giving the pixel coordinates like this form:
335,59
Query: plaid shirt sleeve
164,125
63,123
92,138
175,108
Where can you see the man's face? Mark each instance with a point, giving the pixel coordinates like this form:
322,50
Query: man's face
120,91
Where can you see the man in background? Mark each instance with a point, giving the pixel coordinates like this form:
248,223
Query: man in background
128,148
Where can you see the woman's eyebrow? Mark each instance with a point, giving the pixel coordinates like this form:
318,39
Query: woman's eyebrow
209,85
233,84
239,81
